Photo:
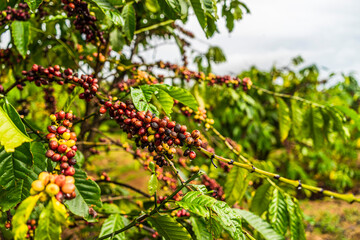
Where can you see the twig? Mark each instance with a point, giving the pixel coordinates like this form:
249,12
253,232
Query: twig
124,185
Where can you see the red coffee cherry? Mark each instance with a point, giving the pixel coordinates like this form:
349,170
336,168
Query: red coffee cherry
53,144
192,155
61,129
62,148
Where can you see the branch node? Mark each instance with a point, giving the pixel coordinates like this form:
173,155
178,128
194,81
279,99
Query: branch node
299,186
253,169
231,162
277,177
212,160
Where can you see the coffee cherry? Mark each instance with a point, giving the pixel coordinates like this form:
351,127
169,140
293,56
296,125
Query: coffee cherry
69,179
61,115
44,178
51,129
187,152
50,136
66,135
70,154
70,171
195,134
64,165
53,145
38,186
60,196
49,153
7,225
192,155
62,148
60,180
68,188
72,161
52,189
61,129
56,157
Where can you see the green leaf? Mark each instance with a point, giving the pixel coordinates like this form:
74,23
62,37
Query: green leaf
261,226
152,5
199,227
40,161
33,4
80,159
284,119
350,113
236,184
112,223
260,201
153,184
200,204
50,220
11,197
12,130
165,100
128,13
180,94
316,123
110,11
278,212
15,167
140,100
87,195
338,123
297,118
169,228
205,11
22,215
20,32
296,225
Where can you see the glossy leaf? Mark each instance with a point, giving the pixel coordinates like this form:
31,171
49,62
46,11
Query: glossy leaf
12,130
22,215
261,199
111,224
180,94
169,228
20,32
139,98
278,212
50,220
87,195
284,119
166,101
110,11
33,4
261,226
295,221
199,227
128,14
236,184
153,184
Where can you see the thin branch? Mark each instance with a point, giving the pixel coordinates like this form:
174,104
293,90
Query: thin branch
296,183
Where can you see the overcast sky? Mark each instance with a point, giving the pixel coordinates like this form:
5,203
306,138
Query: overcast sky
325,32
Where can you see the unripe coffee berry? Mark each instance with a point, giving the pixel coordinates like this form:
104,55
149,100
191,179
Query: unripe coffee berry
38,186
52,189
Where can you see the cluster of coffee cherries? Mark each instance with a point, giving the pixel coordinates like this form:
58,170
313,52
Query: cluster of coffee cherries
84,21
50,101
11,14
211,78
138,77
31,224
43,76
5,55
62,142
180,213
158,135
211,184
48,184
199,116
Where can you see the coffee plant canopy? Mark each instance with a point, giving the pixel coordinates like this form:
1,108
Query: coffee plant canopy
223,157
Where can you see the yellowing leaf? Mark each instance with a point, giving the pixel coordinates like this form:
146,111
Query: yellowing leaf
10,135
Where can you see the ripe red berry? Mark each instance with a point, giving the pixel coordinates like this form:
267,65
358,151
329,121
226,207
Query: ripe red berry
61,115
64,165
62,148
51,129
102,110
70,154
195,134
53,145
61,129
56,157
192,155
72,161
108,104
171,124
49,153
70,171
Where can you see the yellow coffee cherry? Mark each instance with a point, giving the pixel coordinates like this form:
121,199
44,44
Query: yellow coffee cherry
52,189
151,138
32,192
44,177
151,131
62,141
53,118
37,185
70,143
66,135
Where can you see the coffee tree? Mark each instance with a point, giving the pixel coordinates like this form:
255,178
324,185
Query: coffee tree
226,156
